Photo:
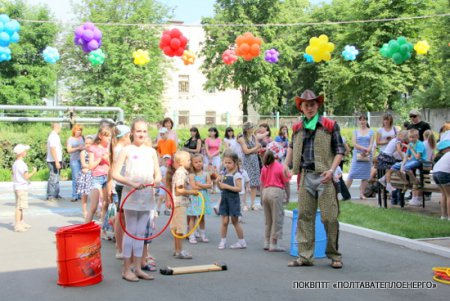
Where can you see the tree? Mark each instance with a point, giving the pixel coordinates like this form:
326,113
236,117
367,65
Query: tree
118,82
27,78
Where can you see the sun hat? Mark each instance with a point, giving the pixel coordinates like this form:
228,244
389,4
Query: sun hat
163,130
123,130
308,95
20,148
414,112
166,156
248,125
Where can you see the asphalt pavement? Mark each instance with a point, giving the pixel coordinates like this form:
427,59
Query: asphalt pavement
28,269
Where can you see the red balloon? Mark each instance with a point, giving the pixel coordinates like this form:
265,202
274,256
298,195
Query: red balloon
166,39
175,43
183,41
168,51
179,51
175,33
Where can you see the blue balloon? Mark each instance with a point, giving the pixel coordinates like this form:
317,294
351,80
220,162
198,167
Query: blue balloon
4,18
4,39
15,38
10,28
15,25
308,58
350,53
5,54
51,55
1,26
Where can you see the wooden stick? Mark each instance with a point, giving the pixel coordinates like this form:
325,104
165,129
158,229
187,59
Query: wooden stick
194,269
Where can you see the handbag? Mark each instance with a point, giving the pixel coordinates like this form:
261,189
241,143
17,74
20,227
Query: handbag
361,158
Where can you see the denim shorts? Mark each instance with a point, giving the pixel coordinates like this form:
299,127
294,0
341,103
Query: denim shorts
99,182
441,178
409,165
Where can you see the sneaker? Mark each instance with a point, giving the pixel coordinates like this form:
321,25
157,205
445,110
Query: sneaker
167,212
389,187
19,229
25,225
245,209
415,202
119,256
266,246
222,245
276,248
196,234
183,255
192,240
239,245
204,238
382,181
51,199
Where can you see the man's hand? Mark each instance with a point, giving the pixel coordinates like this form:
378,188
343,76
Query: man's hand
57,165
327,176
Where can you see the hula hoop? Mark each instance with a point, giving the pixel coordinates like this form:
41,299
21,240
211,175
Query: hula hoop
440,280
198,221
155,235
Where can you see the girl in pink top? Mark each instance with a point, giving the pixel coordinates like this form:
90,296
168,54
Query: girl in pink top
212,148
99,164
273,181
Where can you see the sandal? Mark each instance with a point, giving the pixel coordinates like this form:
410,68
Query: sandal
144,276
299,263
130,279
337,264
149,268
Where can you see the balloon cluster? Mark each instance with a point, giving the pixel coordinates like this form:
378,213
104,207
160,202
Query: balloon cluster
308,58
399,50
248,46
188,57
350,53
50,54
173,43
88,37
5,54
320,48
229,57
96,57
141,57
271,56
421,47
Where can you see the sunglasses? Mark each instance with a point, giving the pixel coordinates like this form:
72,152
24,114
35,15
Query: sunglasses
412,116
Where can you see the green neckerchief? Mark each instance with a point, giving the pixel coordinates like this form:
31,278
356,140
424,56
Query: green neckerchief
311,124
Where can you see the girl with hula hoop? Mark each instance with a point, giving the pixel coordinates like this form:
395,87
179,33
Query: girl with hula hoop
180,183
141,168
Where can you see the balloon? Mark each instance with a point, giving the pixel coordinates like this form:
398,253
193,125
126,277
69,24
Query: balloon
96,57
4,39
88,37
173,43
229,57
188,57
350,53
398,50
271,56
141,57
51,55
319,49
9,33
421,47
5,53
308,58
248,46
4,18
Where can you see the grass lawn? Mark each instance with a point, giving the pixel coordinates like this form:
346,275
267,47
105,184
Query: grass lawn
393,221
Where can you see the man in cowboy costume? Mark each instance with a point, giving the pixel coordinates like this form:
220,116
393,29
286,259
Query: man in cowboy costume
315,151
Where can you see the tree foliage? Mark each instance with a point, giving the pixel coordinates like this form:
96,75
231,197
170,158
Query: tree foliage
27,78
118,82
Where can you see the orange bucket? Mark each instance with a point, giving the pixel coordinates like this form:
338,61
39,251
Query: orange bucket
79,255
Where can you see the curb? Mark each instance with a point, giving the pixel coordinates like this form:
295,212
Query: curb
393,239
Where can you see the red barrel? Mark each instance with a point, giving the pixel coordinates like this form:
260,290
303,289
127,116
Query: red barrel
79,255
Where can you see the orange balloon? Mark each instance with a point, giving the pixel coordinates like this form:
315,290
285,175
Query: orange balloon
254,50
244,48
240,40
247,57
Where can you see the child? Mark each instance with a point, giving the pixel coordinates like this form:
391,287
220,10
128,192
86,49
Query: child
165,146
141,167
273,182
245,188
180,183
84,180
430,144
415,154
20,186
99,164
161,192
201,181
441,175
231,185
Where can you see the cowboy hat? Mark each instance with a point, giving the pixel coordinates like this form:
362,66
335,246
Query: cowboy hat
308,95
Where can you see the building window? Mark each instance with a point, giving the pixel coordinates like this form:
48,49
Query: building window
183,83
210,117
183,117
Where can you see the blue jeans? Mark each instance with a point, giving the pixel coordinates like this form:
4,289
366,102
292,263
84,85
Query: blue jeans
53,181
75,167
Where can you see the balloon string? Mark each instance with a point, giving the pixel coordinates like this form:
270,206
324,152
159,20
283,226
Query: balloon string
250,25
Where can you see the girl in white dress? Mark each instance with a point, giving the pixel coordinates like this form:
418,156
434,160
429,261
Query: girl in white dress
141,167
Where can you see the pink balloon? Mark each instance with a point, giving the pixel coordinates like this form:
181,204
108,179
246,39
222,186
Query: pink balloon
89,25
88,35
175,43
97,34
93,45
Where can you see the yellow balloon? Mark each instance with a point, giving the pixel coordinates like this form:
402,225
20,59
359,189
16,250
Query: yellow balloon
421,47
323,37
330,47
317,58
314,41
326,56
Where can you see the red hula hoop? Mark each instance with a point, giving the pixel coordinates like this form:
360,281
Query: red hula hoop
155,235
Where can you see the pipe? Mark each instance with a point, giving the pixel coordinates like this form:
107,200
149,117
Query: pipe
120,112
51,119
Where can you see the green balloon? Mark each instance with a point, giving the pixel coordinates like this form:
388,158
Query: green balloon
402,40
406,56
410,46
404,49
397,58
394,46
96,57
384,51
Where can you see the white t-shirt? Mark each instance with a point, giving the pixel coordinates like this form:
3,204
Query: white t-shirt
391,147
54,141
429,151
234,145
245,180
384,134
443,165
19,169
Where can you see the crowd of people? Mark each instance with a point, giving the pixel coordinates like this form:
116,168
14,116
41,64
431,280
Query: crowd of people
118,159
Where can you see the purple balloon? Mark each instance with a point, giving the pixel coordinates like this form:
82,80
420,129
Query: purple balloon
97,34
86,48
99,43
79,31
89,25
92,45
88,35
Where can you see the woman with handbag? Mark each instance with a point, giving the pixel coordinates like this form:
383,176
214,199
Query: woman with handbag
362,155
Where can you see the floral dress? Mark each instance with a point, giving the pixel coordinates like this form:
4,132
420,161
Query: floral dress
195,209
251,163
84,180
